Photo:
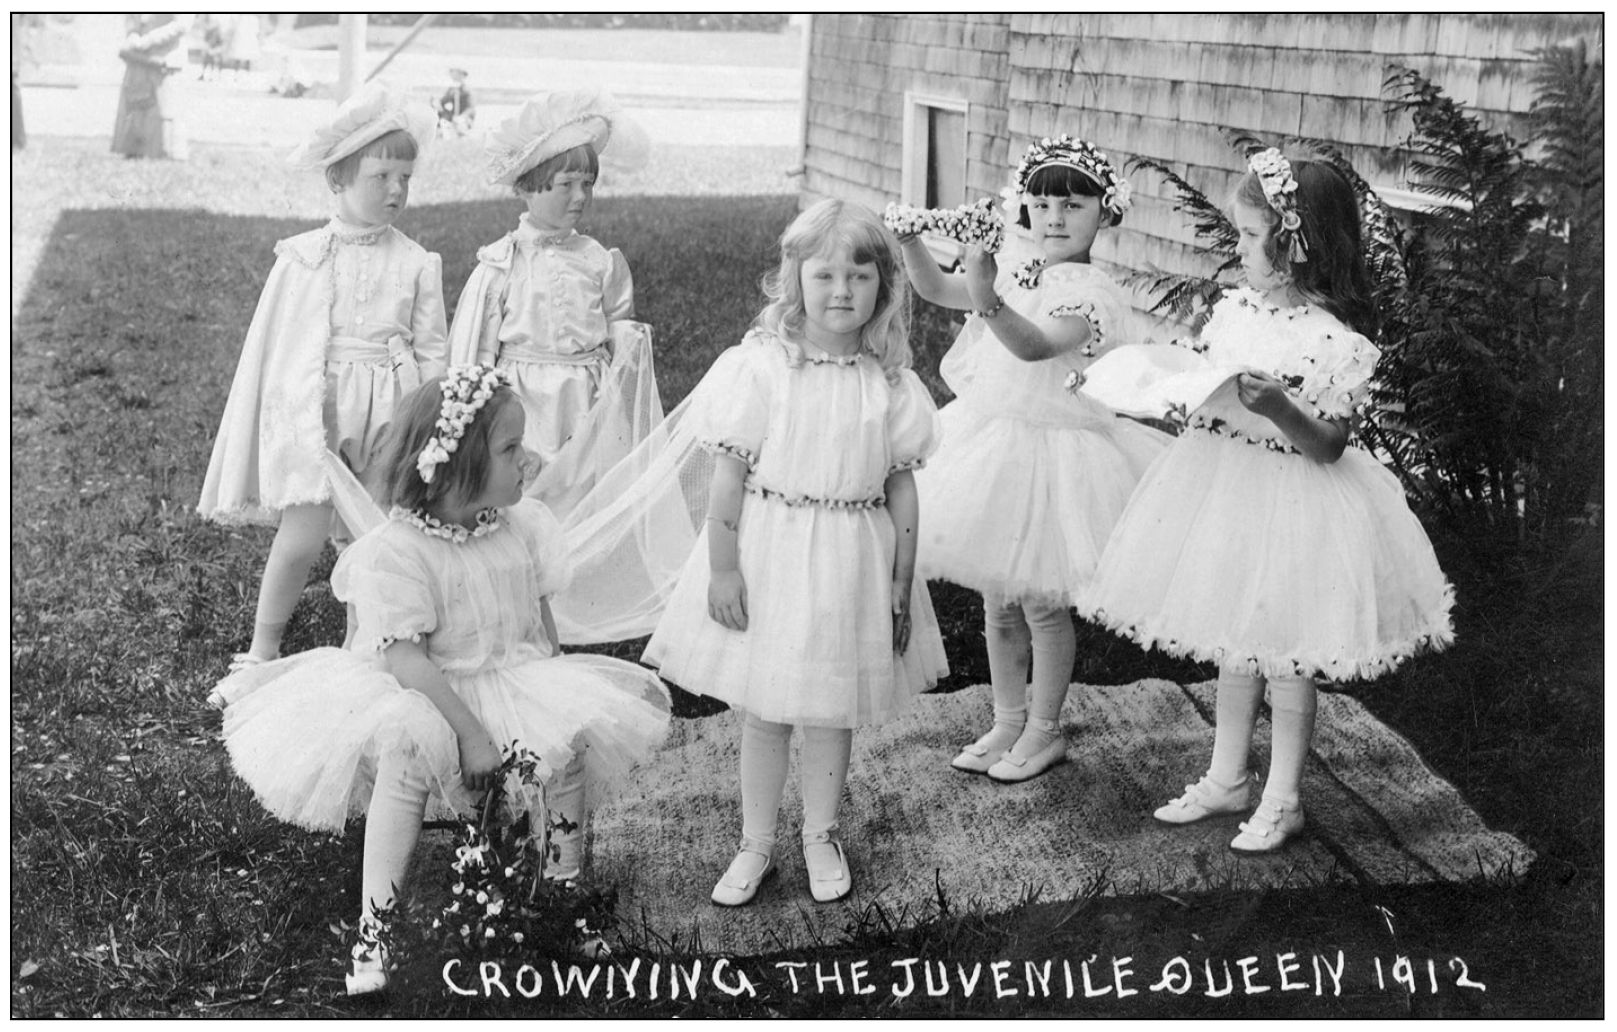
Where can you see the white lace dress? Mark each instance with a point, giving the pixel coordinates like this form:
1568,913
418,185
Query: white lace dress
820,434
1030,478
305,731
1239,549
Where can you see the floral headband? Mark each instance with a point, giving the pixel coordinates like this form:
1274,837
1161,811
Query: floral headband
466,389
1081,156
1280,190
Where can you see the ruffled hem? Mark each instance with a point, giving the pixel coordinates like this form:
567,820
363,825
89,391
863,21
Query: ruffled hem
1437,635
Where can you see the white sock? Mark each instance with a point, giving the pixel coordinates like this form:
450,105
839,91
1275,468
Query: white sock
765,758
1006,634
826,752
564,798
1054,648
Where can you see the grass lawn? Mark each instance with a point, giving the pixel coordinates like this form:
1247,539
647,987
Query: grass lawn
145,879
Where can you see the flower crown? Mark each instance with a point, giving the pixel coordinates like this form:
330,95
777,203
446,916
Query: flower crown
1083,156
1280,190
466,389
977,223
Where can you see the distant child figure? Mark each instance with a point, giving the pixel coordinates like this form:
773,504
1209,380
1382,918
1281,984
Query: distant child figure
456,112
799,604
350,320
1262,541
1030,479
455,660
554,308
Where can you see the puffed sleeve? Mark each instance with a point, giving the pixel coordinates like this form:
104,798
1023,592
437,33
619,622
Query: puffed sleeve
542,535
1092,297
1340,386
912,424
617,290
388,587
429,331
730,407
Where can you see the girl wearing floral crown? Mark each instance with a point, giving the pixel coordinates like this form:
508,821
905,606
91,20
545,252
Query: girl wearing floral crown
551,306
1029,481
454,660
1262,541
799,605
350,320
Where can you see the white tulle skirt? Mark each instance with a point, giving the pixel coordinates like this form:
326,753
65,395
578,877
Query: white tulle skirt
1021,510
305,732
1234,554
818,648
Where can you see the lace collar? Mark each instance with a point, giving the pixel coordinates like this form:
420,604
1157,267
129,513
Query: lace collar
530,235
347,234
488,521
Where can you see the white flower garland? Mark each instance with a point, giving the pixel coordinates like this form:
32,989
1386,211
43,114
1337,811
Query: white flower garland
976,223
466,389
1280,190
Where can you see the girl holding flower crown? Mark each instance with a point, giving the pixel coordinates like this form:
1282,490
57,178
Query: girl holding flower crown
551,306
799,605
1030,480
454,660
350,320
1262,540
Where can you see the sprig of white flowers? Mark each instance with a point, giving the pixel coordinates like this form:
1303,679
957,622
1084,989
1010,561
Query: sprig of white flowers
466,389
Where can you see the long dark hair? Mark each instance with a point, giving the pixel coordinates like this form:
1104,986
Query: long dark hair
1334,277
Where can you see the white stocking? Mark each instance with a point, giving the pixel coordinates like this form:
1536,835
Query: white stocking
1054,647
564,798
1239,695
1006,633
826,751
392,825
765,757
1293,702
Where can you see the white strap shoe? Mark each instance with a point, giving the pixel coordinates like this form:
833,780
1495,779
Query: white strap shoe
1272,824
1207,798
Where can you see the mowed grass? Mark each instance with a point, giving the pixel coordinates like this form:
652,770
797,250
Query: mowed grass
146,880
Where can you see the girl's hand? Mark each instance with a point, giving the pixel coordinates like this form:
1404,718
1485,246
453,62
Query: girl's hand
479,759
981,271
901,617
1263,394
727,599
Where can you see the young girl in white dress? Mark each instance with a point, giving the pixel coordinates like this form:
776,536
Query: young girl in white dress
1021,497
552,307
799,605
350,320
1262,541
454,660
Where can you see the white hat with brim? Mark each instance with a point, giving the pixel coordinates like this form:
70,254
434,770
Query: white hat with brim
554,123
371,113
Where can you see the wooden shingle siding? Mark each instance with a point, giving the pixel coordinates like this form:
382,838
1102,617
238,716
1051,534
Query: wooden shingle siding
1155,85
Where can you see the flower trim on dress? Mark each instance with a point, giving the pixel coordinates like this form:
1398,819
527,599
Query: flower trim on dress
1280,190
466,389
1218,427
1084,310
1246,297
387,640
1436,636
1027,274
488,521
733,450
905,466
753,487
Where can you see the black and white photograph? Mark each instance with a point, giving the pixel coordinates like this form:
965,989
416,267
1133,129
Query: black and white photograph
821,515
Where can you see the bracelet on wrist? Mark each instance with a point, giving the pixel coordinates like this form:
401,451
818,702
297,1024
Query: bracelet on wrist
992,310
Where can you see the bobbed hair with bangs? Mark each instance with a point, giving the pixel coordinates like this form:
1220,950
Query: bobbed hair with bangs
465,473
396,144
540,177
819,230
